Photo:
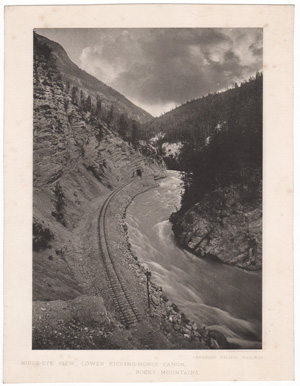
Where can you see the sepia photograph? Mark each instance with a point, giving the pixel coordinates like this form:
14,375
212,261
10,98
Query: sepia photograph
148,193
147,189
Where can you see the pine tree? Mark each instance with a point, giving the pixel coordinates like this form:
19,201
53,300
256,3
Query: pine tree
68,87
110,116
98,106
82,101
123,126
88,104
74,95
134,134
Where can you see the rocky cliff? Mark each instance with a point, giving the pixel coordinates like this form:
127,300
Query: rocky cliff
224,226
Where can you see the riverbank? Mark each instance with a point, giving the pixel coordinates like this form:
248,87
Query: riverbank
179,331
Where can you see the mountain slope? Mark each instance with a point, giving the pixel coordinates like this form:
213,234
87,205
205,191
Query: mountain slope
77,159
193,122
71,73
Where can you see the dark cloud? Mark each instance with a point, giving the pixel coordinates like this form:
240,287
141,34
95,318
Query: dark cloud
160,68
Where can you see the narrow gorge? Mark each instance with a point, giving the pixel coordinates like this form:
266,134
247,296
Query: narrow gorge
127,253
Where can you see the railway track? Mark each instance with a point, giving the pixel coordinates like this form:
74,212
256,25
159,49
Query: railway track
122,300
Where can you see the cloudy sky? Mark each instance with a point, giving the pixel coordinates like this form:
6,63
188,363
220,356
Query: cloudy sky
158,69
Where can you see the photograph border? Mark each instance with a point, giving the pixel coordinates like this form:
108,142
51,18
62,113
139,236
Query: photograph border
275,362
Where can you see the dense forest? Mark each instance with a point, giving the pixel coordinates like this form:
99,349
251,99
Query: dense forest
194,120
221,136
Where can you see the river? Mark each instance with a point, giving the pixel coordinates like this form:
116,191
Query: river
212,294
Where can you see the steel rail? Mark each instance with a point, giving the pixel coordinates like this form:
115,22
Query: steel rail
124,304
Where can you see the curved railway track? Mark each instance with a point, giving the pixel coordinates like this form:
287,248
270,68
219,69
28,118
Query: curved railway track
123,303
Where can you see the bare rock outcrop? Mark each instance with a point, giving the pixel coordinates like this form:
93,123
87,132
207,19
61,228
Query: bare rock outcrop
223,228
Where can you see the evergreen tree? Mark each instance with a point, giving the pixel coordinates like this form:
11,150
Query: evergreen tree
98,106
74,95
59,204
134,134
67,86
110,116
88,104
82,101
123,126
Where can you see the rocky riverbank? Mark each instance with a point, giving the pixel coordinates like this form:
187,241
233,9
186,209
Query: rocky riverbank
224,226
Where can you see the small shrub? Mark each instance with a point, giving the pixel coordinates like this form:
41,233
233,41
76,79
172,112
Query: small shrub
42,237
184,318
175,308
92,169
99,133
59,204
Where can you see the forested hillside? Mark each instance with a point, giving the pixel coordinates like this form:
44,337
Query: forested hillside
232,152
192,123
220,136
220,155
